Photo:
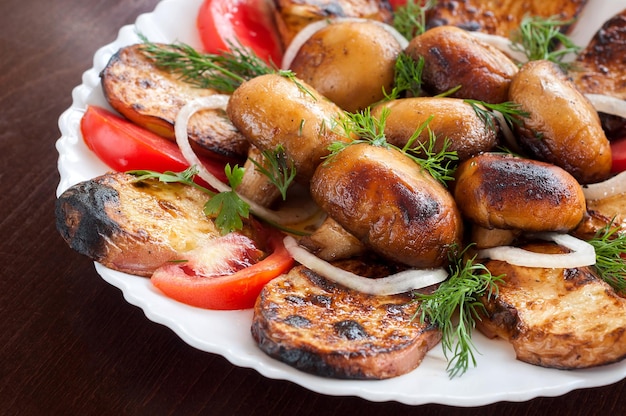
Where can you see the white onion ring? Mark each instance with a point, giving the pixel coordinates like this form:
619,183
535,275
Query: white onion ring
607,104
303,35
396,283
612,186
216,102
211,102
582,254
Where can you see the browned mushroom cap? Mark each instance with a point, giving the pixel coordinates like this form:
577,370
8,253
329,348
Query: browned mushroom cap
352,63
454,58
450,119
272,110
508,192
563,127
389,203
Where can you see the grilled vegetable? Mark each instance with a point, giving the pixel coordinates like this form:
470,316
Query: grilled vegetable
449,119
389,203
507,192
455,60
133,226
273,110
293,15
500,17
562,127
550,316
350,63
322,328
151,97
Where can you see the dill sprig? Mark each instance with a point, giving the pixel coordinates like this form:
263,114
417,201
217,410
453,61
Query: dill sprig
407,79
410,19
227,208
610,245
222,72
460,294
542,38
510,111
278,168
371,130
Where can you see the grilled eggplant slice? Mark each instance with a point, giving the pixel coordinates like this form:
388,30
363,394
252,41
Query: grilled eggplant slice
293,15
322,328
599,68
499,17
152,97
133,226
558,318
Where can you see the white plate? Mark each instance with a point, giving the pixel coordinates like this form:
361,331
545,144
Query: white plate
228,333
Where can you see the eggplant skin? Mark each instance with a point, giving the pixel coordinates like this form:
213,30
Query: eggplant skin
323,328
556,318
132,226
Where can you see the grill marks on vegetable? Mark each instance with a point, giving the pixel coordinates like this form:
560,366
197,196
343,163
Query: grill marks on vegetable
320,327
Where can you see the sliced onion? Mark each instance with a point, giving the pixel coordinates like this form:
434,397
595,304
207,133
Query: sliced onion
509,137
608,104
303,35
582,254
211,102
289,216
396,283
501,43
612,186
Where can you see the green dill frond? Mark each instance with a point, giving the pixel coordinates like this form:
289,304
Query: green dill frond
454,307
410,19
610,246
542,38
278,168
222,72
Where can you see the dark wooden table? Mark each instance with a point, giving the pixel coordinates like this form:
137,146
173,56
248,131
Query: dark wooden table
70,344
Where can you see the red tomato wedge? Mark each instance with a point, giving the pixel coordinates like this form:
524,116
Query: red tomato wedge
228,292
248,22
124,146
618,155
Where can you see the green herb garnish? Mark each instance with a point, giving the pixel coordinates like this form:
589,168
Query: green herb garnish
610,246
278,168
407,77
371,130
228,208
222,72
410,19
510,111
542,38
461,294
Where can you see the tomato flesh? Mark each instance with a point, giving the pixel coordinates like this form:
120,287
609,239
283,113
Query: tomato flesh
248,22
235,291
618,155
124,146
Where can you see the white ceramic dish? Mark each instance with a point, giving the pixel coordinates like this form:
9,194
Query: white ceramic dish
498,375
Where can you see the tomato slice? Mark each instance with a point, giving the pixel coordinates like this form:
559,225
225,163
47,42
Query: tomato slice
248,22
618,155
123,146
235,291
